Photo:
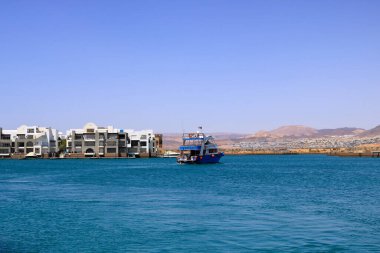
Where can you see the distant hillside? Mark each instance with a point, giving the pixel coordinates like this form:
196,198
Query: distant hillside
371,132
304,131
171,141
288,131
341,131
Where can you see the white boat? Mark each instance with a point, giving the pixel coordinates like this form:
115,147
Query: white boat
170,154
31,155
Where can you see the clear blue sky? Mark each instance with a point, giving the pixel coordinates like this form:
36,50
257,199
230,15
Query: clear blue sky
231,66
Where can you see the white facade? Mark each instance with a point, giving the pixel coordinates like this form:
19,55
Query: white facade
35,139
142,143
6,137
92,140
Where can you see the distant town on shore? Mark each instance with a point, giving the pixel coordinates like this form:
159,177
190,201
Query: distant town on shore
109,142
296,139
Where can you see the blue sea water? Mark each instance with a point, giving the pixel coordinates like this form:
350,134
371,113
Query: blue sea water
304,203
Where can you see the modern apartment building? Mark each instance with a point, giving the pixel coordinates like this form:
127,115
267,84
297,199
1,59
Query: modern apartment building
89,141
94,141
143,143
39,141
33,140
5,143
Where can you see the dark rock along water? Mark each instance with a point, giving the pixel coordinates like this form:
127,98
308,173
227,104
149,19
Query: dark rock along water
247,203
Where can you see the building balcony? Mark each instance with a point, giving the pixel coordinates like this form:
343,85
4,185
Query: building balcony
89,137
89,143
134,150
111,143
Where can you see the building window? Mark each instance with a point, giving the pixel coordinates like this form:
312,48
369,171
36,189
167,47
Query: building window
30,131
6,137
4,151
111,150
113,135
111,143
89,143
89,137
143,144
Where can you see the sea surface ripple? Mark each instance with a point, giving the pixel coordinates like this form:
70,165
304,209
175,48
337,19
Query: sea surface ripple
304,203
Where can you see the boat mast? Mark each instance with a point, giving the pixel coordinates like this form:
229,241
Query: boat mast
199,132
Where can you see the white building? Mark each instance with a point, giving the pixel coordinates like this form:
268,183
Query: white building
142,143
37,140
94,141
6,142
89,141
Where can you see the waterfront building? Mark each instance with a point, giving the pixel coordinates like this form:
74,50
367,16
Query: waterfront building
158,144
144,143
6,142
89,141
94,141
39,141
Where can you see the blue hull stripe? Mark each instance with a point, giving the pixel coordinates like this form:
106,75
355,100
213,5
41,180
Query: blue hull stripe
183,148
209,158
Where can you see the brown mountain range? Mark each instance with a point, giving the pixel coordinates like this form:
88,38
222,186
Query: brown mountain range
304,131
371,133
226,140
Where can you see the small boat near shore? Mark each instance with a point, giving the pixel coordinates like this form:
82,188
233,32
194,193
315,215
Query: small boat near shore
199,149
170,154
30,155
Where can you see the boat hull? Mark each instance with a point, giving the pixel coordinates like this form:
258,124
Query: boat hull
202,159
209,158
